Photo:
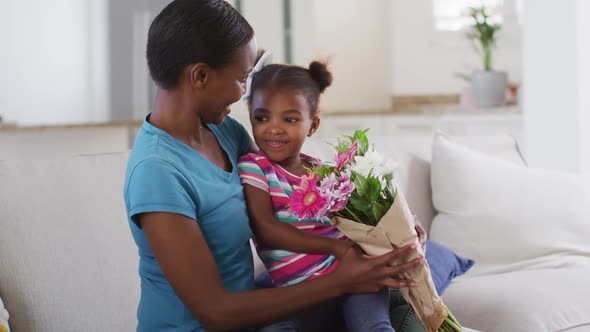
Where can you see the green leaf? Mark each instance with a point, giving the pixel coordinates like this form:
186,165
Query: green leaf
360,204
388,178
342,146
360,183
351,213
373,191
360,134
322,171
345,142
379,211
483,33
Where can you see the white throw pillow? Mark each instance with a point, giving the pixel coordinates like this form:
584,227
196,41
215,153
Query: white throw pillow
3,318
507,217
500,146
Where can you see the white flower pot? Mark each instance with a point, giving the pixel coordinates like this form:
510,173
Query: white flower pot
489,87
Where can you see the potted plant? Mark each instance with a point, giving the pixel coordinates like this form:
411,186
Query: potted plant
489,86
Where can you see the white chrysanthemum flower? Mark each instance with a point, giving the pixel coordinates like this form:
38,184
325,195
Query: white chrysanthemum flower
374,164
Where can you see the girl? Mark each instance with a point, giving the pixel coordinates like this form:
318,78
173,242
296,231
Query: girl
184,201
283,106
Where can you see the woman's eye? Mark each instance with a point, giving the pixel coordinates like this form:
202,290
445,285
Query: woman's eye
244,80
291,120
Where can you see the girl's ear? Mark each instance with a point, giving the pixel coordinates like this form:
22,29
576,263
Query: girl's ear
199,74
315,123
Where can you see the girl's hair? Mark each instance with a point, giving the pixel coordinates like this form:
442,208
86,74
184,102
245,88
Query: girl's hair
192,31
311,81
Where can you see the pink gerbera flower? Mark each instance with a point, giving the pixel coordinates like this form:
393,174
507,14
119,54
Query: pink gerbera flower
347,157
306,200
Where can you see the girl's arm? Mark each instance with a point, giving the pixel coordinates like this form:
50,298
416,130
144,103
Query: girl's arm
185,259
281,235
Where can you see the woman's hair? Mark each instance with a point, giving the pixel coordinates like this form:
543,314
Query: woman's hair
192,31
311,82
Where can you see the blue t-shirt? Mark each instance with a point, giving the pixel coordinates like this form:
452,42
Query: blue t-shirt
166,175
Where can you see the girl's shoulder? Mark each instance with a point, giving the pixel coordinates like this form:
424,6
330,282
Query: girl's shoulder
258,161
255,157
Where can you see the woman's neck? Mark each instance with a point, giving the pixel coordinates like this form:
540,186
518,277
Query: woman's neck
175,115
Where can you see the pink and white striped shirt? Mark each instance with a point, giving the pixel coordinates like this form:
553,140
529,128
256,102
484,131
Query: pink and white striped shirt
285,267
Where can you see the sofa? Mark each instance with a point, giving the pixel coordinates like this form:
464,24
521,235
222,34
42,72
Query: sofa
68,262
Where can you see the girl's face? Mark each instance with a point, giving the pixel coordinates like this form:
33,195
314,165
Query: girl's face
226,85
281,120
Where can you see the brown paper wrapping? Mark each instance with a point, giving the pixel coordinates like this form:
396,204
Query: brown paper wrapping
394,230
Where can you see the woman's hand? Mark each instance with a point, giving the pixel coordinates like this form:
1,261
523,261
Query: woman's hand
360,273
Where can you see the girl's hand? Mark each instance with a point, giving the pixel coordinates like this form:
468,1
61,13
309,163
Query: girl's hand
359,273
422,236
340,248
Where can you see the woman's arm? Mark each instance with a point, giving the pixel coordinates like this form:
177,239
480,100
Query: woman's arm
186,261
280,235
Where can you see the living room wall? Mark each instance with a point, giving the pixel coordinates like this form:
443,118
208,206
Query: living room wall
425,59
353,35
556,100
92,66
53,62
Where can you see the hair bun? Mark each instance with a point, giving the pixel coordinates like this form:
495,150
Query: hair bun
320,73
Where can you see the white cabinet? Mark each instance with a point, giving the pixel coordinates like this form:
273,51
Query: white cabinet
454,122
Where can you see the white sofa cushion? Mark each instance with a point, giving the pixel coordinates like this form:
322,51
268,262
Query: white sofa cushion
499,146
416,166
527,230
523,301
67,259
507,217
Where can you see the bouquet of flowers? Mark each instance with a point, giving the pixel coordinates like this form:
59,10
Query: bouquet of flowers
358,193
3,318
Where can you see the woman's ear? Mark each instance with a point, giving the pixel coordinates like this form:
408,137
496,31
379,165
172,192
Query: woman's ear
315,124
199,74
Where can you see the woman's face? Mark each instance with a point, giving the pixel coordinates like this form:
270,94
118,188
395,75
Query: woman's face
281,120
226,85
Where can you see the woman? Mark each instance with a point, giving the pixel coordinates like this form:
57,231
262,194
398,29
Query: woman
183,195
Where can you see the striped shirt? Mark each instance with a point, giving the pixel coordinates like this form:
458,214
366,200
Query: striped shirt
285,267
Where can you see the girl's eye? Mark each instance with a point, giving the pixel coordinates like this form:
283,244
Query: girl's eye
291,120
260,118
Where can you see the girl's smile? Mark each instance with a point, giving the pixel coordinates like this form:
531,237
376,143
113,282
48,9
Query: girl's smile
274,144
281,120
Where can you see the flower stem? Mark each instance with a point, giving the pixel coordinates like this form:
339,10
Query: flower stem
352,214
450,324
